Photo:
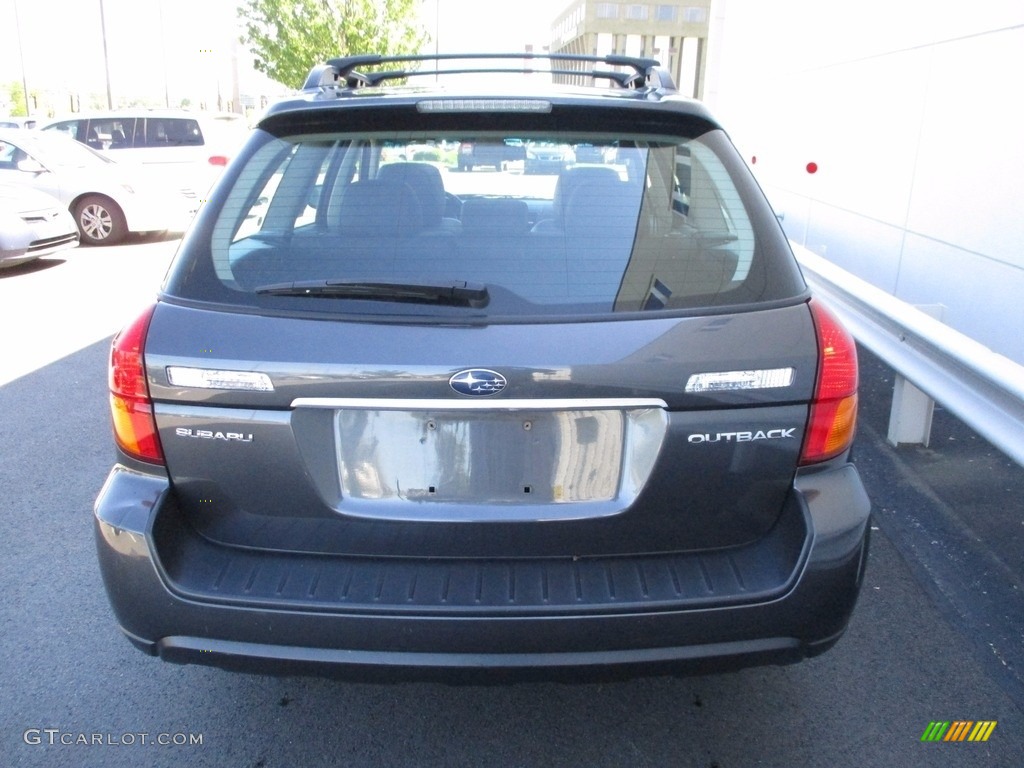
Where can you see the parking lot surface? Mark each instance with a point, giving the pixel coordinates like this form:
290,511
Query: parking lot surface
75,692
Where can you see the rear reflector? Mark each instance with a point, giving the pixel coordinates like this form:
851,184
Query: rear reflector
833,416
731,381
203,378
217,160
130,406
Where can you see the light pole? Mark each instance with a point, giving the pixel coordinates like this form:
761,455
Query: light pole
21,58
163,51
106,59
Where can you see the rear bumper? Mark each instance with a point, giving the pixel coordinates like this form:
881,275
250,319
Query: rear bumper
188,600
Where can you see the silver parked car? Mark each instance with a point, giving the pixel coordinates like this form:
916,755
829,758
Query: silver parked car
106,199
385,416
32,224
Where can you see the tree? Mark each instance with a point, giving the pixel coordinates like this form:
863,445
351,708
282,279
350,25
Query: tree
16,94
289,37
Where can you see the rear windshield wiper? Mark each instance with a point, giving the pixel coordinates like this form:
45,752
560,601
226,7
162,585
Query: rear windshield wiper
456,293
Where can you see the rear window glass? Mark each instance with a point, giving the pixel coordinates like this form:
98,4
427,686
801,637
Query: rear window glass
492,225
170,132
68,127
111,133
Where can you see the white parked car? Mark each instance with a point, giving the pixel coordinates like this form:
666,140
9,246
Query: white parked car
32,224
106,199
17,122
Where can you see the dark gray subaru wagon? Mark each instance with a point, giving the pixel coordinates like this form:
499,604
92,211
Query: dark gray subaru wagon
387,415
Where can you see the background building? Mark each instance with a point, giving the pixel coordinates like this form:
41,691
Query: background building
906,114
883,131
673,31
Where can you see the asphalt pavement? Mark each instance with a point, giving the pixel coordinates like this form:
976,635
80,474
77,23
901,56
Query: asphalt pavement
935,637
955,512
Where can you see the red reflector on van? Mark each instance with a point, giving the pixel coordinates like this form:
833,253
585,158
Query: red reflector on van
217,160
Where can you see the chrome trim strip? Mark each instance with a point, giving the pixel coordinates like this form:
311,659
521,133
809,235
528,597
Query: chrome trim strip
523,404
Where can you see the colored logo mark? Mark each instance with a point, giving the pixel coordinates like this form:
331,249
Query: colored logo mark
477,381
958,730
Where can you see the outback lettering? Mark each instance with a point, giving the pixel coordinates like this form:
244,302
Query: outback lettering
741,437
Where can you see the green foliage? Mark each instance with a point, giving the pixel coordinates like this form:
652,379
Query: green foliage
289,37
16,99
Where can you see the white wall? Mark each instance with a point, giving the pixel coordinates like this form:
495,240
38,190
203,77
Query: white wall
914,114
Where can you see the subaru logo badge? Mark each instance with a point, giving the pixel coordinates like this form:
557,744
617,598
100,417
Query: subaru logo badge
477,381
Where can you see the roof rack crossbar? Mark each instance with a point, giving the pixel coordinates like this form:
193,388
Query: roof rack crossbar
346,70
624,79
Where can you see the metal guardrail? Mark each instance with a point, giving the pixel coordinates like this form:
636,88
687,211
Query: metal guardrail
982,388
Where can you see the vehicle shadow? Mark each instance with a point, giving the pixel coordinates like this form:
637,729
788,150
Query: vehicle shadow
161,236
31,267
139,238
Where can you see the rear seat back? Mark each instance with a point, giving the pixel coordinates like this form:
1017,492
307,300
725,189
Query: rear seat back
486,217
600,230
380,209
491,247
426,183
568,182
379,232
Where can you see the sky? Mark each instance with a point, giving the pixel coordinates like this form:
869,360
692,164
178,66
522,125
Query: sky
491,25
178,46
61,44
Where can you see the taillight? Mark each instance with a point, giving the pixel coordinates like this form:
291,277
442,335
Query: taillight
132,410
833,417
217,160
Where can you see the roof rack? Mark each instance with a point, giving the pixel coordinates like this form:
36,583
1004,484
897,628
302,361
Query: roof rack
349,71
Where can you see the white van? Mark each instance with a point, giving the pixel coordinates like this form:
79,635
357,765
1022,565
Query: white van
194,147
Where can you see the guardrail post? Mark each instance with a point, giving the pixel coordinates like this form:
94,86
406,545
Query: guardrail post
910,420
